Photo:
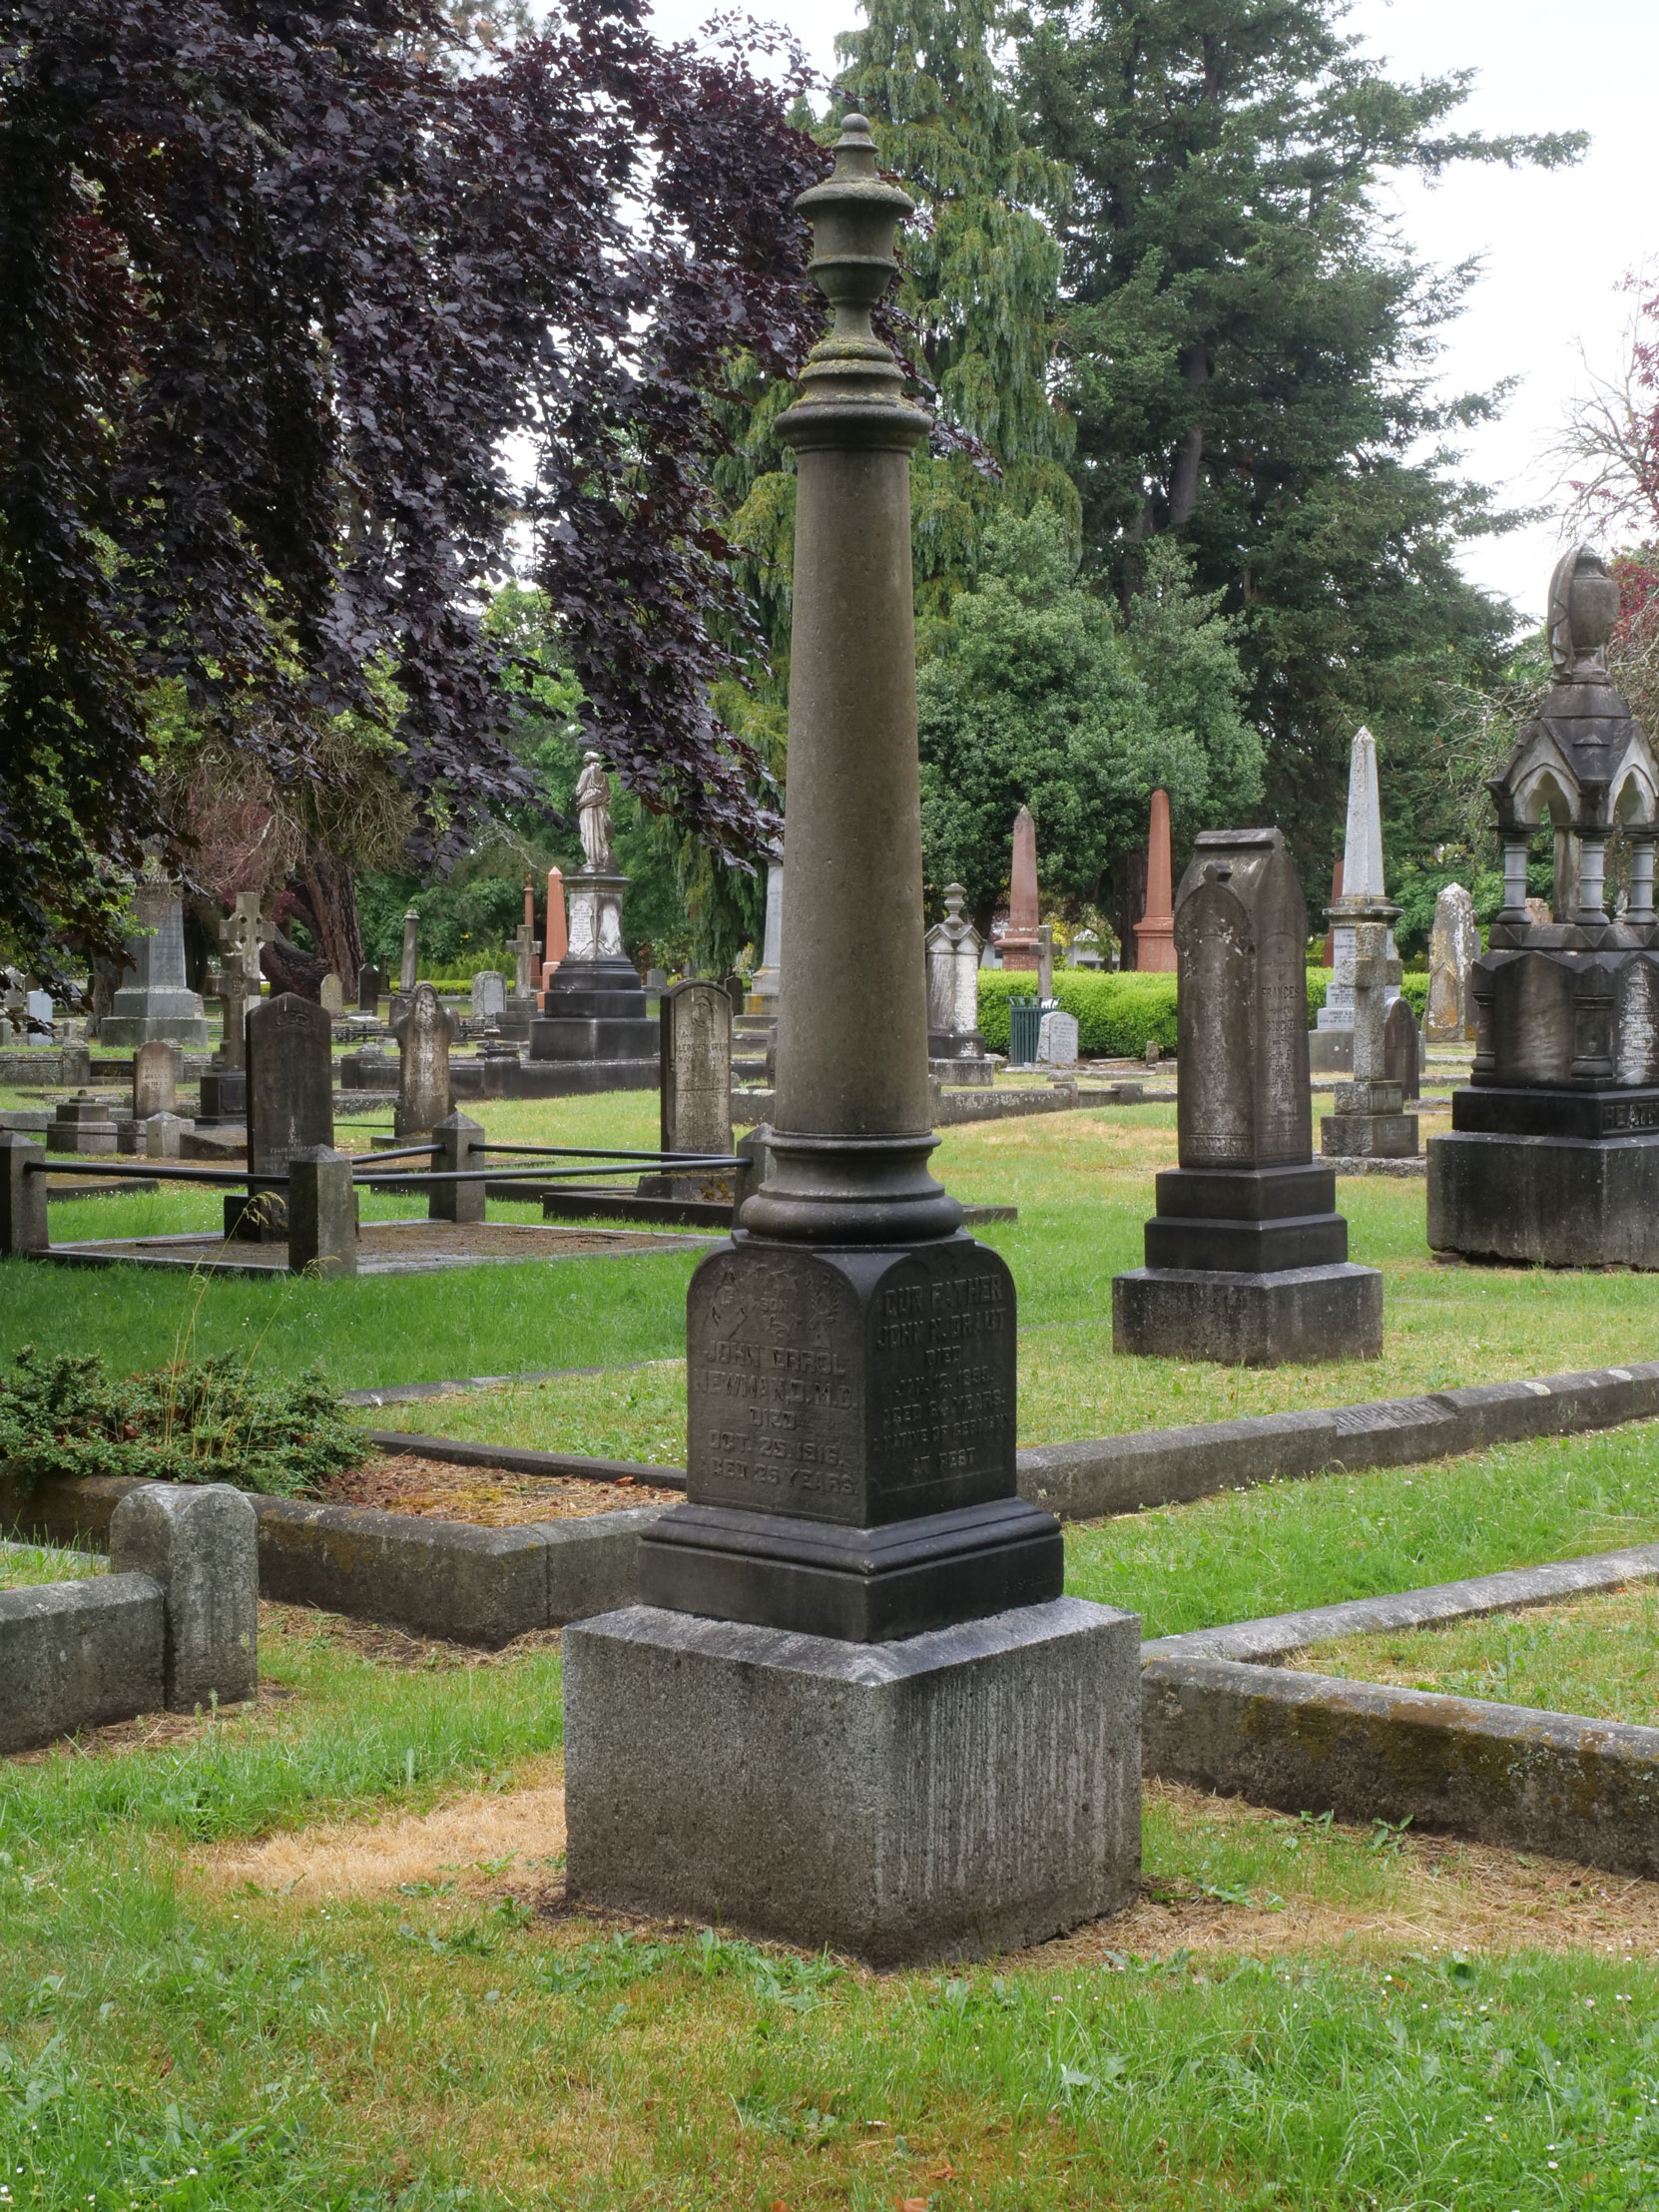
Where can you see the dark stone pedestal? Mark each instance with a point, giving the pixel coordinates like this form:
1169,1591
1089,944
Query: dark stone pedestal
1248,1264
1245,1320
593,1033
224,1097
957,1794
1554,1202
851,1444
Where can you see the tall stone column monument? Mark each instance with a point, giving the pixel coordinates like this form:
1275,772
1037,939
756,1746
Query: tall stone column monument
1155,932
854,1708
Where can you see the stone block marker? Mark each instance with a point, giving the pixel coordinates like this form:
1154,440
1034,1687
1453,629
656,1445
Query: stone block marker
458,1136
963,1792
200,1547
321,1212
78,1655
22,1194
1581,1790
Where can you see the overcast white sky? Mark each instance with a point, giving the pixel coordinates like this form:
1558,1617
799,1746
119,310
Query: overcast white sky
1555,245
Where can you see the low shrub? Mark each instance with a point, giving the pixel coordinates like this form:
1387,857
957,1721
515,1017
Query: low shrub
205,1420
1118,1014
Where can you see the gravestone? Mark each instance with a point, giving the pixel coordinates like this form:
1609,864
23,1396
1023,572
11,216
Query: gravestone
330,995
769,975
1552,1158
154,998
163,1135
224,1085
1155,932
1020,944
1453,948
852,1704
156,1069
695,1022
37,1008
424,1033
371,986
1330,1048
489,995
955,1050
1247,1259
290,1106
1370,1121
1057,1040
594,1032
1402,1049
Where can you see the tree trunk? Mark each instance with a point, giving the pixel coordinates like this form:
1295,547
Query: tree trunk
1196,368
332,895
289,969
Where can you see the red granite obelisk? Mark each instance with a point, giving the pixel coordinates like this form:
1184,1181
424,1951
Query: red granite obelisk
558,935
1019,947
1155,932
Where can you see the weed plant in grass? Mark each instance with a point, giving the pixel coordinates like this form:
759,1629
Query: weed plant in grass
1598,1656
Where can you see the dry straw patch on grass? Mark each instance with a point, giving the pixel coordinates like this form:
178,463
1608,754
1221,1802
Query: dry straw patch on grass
466,1845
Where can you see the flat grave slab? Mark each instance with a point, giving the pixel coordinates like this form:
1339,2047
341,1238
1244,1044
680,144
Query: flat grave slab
384,1248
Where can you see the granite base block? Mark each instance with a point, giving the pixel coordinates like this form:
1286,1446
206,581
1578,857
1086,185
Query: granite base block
1554,1202
953,1795
1245,1320
1368,1136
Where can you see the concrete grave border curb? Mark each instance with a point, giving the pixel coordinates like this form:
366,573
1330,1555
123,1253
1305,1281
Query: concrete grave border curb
451,1579
1171,1466
1217,1711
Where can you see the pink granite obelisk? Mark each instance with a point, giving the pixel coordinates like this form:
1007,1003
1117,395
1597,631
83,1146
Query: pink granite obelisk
558,933
1019,947
1155,932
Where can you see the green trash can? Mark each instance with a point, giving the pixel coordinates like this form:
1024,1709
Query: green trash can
1025,1016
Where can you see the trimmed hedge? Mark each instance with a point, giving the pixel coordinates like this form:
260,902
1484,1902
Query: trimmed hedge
1116,1014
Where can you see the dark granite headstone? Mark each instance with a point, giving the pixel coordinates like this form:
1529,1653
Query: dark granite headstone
1403,1048
1247,1259
291,1103
371,986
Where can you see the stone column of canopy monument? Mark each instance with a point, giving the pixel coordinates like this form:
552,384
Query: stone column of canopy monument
593,1032
854,1708
955,1050
153,997
1155,932
1553,1154
1330,1047
1247,1260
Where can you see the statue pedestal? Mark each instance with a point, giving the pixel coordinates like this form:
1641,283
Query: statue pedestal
593,1032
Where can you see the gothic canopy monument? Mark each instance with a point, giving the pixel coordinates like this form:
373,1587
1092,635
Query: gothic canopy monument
1553,1154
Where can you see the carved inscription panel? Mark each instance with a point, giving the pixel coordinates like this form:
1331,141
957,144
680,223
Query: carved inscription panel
856,1387
775,1386
942,1382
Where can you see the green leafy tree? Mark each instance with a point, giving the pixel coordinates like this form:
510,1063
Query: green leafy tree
1034,695
1250,355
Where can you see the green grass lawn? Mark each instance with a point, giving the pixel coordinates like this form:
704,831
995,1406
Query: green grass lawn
179,2031
1595,1655
1083,1182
